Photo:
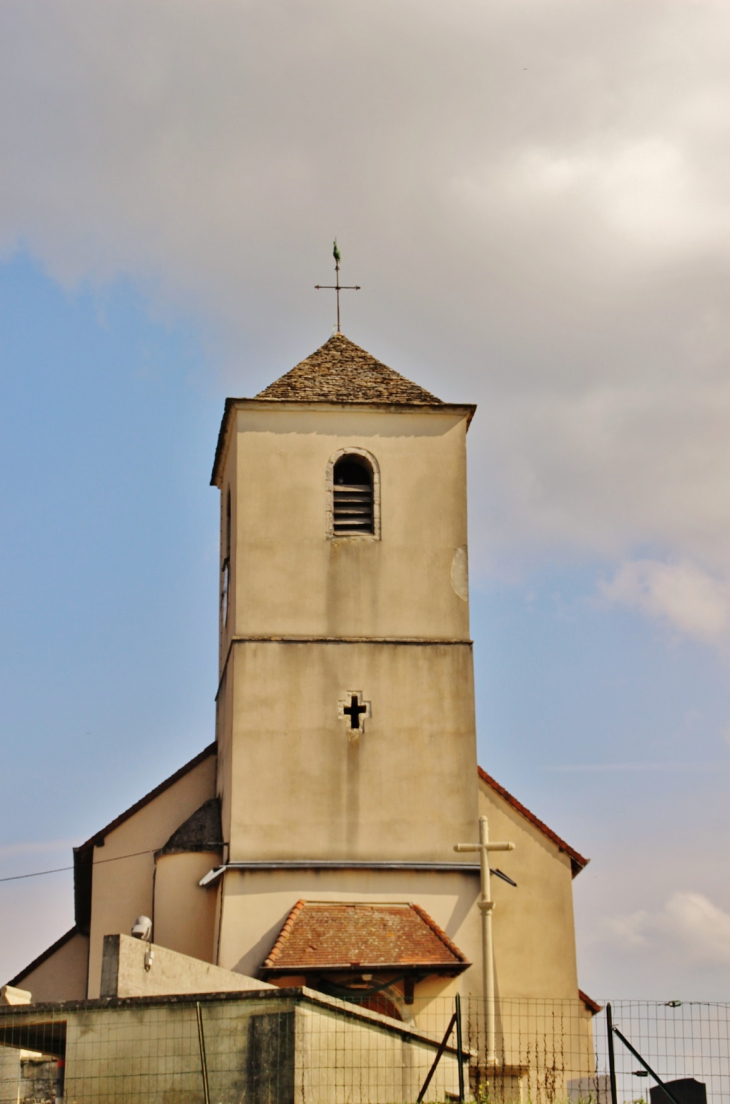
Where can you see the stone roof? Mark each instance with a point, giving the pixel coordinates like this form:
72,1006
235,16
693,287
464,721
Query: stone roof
200,832
341,371
328,936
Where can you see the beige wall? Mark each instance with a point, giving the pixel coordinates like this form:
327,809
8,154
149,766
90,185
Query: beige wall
299,1050
134,968
534,939
63,975
534,935
224,741
184,913
256,904
292,784
123,890
290,579
226,628
301,788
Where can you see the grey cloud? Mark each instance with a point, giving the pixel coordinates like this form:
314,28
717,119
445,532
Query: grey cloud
532,194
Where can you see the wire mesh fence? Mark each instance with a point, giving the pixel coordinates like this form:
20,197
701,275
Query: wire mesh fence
293,1046
677,1039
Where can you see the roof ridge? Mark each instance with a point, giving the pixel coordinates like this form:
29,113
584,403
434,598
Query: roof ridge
578,861
286,928
140,804
439,932
593,1006
44,956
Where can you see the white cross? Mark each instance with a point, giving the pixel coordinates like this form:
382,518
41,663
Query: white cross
487,905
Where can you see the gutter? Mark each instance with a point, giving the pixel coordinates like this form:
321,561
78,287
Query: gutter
339,864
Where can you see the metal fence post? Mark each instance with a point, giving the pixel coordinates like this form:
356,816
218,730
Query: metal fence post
459,1046
611,1057
203,1055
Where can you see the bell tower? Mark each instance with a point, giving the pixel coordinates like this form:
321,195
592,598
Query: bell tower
345,716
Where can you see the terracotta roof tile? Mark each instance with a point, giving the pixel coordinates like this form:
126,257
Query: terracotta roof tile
327,936
341,371
593,1006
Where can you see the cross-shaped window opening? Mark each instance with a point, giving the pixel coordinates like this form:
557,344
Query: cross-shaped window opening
353,711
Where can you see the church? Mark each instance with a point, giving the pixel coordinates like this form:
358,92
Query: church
313,842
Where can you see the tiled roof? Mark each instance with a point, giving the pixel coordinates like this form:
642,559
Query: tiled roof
593,1006
341,371
326,936
577,861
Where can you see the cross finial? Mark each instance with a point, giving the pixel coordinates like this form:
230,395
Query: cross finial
337,286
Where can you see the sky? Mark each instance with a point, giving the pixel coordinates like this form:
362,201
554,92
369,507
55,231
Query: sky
533,196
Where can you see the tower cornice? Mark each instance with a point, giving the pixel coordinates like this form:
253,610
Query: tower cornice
465,410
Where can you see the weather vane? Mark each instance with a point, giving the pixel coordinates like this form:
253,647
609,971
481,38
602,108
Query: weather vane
337,286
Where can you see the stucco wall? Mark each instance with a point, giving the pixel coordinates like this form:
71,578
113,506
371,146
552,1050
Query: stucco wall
63,974
534,934
184,913
123,890
224,741
227,624
256,904
301,788
289,579
534,938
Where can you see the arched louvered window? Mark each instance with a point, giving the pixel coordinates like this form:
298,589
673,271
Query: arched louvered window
353,497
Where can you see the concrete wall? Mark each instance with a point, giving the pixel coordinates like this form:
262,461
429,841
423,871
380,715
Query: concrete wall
9,1075
123,890
134,968
534,934
288,1047
280,1048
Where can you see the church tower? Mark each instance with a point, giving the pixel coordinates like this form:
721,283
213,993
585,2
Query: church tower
345,709
313,842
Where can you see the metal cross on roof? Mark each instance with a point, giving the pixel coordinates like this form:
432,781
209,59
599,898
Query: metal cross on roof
337,286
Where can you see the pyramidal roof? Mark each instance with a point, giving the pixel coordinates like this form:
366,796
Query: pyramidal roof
340,371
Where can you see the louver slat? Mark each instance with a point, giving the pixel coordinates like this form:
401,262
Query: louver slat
353,509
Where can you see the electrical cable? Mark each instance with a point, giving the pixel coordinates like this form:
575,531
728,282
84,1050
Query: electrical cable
58,869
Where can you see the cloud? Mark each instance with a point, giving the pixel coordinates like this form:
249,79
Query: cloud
680,594
689,926
532,195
